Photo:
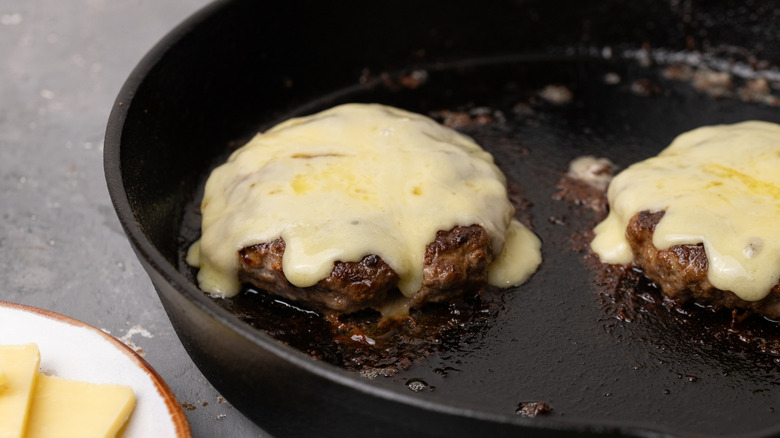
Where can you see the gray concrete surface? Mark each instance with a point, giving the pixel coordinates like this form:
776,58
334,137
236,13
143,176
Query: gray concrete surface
61,245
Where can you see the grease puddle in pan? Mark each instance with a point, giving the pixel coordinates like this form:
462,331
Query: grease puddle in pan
562,339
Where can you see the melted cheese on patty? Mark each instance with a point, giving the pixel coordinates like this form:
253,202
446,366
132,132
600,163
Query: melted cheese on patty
351,181
719,186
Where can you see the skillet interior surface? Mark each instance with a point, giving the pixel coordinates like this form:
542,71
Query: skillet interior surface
558,338
594,355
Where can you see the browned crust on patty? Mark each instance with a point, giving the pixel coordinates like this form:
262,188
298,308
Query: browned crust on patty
455,263
681,270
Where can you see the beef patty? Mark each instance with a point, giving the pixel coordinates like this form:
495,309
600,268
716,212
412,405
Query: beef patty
681,270
455,263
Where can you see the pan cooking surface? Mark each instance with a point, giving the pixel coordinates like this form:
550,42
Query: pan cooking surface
564,338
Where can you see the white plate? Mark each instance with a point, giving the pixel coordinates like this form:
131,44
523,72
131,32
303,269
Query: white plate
78,351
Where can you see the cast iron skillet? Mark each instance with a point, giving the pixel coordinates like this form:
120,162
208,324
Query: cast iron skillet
240,66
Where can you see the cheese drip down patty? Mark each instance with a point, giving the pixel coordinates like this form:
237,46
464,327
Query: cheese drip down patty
355,180
718,186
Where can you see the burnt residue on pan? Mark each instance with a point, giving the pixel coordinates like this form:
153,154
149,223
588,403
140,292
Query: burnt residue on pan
579,340
364,341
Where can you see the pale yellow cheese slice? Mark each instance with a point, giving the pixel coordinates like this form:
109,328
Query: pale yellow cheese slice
20,365
65,408
3,379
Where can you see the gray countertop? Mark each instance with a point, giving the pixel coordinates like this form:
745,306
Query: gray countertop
61,245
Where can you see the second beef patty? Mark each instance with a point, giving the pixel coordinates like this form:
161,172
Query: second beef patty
681,270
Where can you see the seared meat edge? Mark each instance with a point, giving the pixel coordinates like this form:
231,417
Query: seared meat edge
681,270
455,264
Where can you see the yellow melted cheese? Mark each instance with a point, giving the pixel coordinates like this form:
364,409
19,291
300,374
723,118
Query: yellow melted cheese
20,364
351,181
65,408
719,186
